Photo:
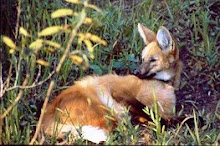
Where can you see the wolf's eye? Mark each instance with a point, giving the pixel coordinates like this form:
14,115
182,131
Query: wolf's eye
153,59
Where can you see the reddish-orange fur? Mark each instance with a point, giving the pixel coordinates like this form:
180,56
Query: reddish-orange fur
80,104
88,101
162,48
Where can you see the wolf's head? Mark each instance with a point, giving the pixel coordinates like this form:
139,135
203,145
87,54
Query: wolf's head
159,54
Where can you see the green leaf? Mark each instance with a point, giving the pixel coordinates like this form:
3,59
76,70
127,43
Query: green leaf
133,66
132,58
118,64
96,69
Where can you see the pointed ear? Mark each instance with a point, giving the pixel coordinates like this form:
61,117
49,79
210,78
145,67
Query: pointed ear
147,34
164,39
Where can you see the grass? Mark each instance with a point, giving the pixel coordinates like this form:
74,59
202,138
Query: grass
195,24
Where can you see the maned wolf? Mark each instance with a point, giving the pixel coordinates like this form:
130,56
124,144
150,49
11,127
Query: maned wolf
86,104
160,56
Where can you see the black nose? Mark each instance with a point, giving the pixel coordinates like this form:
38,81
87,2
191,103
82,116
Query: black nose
136,72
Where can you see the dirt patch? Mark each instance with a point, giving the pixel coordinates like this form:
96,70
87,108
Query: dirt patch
199,88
